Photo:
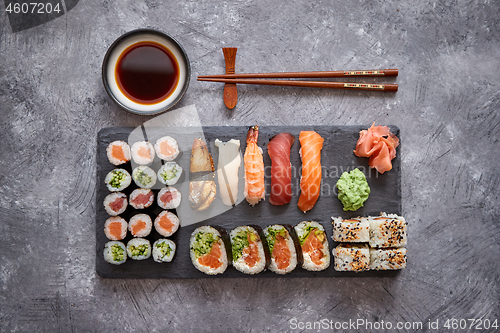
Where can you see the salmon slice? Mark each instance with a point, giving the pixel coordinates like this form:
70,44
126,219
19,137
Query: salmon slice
138,227
117,152
117,204
314,247
251,253
310,184
281,252
165,223
144,152
115,230
281,169
166,149
212,259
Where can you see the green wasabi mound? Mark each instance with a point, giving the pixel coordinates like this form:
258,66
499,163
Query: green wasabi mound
353,189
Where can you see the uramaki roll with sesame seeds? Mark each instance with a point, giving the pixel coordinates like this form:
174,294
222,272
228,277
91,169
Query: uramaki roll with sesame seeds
356,230
351,257
387,230
387,259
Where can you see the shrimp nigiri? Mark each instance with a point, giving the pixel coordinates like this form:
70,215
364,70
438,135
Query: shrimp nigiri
254,168
310,184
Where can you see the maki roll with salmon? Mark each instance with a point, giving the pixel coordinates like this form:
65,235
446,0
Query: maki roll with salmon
115,252
208,251
143,152
139,249
166,223
118,152
163,250
144,176
169,173
115,203
167,148
249,254
117,180
169,198
115,228
314,245
282,249
140,225
141,198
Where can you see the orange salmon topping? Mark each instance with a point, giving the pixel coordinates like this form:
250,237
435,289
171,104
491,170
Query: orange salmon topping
314,247
138,226
165,223
281,252
143,152
117,152
211,259
251,253
115,230
166,149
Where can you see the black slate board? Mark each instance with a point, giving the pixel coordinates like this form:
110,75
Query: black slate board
337,156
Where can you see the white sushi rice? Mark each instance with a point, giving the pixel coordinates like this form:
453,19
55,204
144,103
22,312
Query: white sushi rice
240,263
163,250
115,252
351,230
291,246
141,191
139,249
116,219
388,230
140,146
387,259
207,230
351,257
124,147
172,217
169,173
112,197
175,198
138,219
302,231
172,143
117,180
144,176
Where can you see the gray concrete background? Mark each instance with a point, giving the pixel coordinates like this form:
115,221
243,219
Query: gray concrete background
53,104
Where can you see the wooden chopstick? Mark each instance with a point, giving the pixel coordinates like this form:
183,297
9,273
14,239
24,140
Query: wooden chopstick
311,84
318,74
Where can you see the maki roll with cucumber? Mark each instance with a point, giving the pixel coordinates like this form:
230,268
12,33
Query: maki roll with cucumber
249,254
163,250
139,249
117,180
208,250
115,252
144,176
169,173
314,245
284,254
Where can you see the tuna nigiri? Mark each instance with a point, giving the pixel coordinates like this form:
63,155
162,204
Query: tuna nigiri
310,184
379,144
254,168
281,169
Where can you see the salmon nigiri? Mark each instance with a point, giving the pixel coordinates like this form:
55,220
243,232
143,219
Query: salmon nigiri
254,168
310,184
281,169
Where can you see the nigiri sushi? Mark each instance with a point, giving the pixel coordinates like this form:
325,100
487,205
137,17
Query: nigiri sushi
379,144
281,168
227,170
254,168
203,190
310,183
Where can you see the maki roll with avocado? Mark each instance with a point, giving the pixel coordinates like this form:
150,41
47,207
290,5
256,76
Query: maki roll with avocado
163,250
139,249
282,249
249,254
169,173
117,180
208,250
355,230
144,176
115,252
314,245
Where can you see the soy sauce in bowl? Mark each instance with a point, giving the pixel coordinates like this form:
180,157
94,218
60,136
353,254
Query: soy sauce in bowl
147,72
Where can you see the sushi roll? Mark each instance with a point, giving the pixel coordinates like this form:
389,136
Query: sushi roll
351,230
167,148
208,251
117,180
247,250
169,173
169,198
166,223
115,203
118,152
115,228
115,253
282,249
140,225
139,249
351,257
144,176
314,245
387,259
388,231
141,198
163,250
143,152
